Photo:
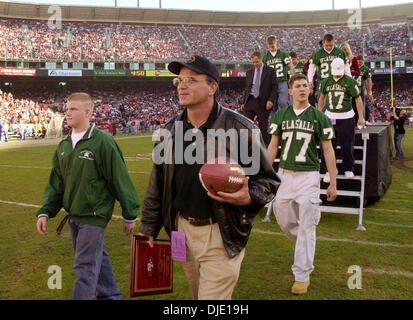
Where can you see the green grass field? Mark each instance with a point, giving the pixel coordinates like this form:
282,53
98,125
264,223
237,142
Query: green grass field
384,252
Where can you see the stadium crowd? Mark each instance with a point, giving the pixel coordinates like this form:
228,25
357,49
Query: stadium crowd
130,109
402,95
104,41
133,110
24,117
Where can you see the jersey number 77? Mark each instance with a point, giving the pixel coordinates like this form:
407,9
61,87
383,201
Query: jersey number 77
299,136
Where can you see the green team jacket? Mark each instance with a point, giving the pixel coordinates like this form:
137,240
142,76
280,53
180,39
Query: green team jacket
85,181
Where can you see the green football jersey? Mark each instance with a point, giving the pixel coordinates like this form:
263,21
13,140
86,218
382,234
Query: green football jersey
339,93
322,59
299,68
279,62
300,136
365,73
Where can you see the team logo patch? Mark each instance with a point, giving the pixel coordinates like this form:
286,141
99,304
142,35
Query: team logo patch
86,154
191,59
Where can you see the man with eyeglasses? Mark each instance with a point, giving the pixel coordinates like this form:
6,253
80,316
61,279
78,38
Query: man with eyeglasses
215,228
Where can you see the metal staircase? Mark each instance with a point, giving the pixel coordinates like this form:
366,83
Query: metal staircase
359,194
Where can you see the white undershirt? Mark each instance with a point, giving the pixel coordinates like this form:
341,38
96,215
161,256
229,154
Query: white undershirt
76,137
328,51
300,111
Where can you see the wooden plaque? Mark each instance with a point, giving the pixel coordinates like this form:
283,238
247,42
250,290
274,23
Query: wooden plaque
151,268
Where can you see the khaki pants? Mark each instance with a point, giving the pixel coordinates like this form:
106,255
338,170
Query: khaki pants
210,273
297,209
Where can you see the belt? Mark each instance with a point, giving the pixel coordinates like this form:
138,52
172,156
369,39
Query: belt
61,225
196,222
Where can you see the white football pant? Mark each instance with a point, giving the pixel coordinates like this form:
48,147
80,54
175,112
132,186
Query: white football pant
297,210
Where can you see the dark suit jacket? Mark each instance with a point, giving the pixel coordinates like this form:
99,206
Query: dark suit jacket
268,87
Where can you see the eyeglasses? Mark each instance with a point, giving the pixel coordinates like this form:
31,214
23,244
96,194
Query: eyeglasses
188,81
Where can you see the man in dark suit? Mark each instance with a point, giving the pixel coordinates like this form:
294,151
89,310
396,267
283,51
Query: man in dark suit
260,92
